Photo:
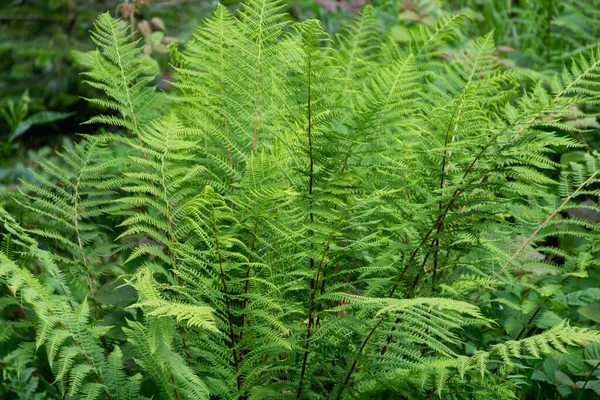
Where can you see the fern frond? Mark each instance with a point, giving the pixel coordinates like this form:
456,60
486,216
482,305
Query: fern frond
119,70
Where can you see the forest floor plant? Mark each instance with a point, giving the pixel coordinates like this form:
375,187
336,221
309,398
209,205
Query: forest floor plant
302,217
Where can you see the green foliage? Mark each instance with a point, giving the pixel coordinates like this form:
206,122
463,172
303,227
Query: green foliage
543,34
42,49
18,121
303,217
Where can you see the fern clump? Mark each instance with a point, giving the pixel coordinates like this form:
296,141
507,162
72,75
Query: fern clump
303,217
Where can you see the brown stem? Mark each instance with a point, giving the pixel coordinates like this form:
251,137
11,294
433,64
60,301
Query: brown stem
389,338
435,241
22,309
314,282
362,347
174,387
246,290
226,293
437,224
223,110
87,360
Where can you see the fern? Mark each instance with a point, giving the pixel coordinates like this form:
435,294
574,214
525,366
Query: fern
70,202
72,344
304,217
120,72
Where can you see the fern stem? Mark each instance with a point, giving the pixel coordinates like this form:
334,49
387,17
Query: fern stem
174,387
435,225
452,265
258,72
446,155
223,108
581,390
79,241
126,86
457,193
22,309
311,311
247,278
580,76
530,320
389,338
87,360
245,302
225,124
353,366
443,172
226,293
314,281
62,288
435,245
438,223
408,296
168,207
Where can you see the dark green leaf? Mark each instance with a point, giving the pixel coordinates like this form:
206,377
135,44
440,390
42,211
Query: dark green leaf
591,311
37,119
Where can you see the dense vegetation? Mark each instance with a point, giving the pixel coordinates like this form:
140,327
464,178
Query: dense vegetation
301,215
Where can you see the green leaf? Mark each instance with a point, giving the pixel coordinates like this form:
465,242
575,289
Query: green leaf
409,15
116,320
575,363
591,354
400,33
549,290
81,58
539,375
116,294
591,311
572,157
149,65
595,386
40,118
562,378
583,297
548,320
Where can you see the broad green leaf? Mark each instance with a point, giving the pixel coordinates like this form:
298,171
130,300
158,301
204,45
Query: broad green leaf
591,354
40,118
591,311
548,320
583,297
